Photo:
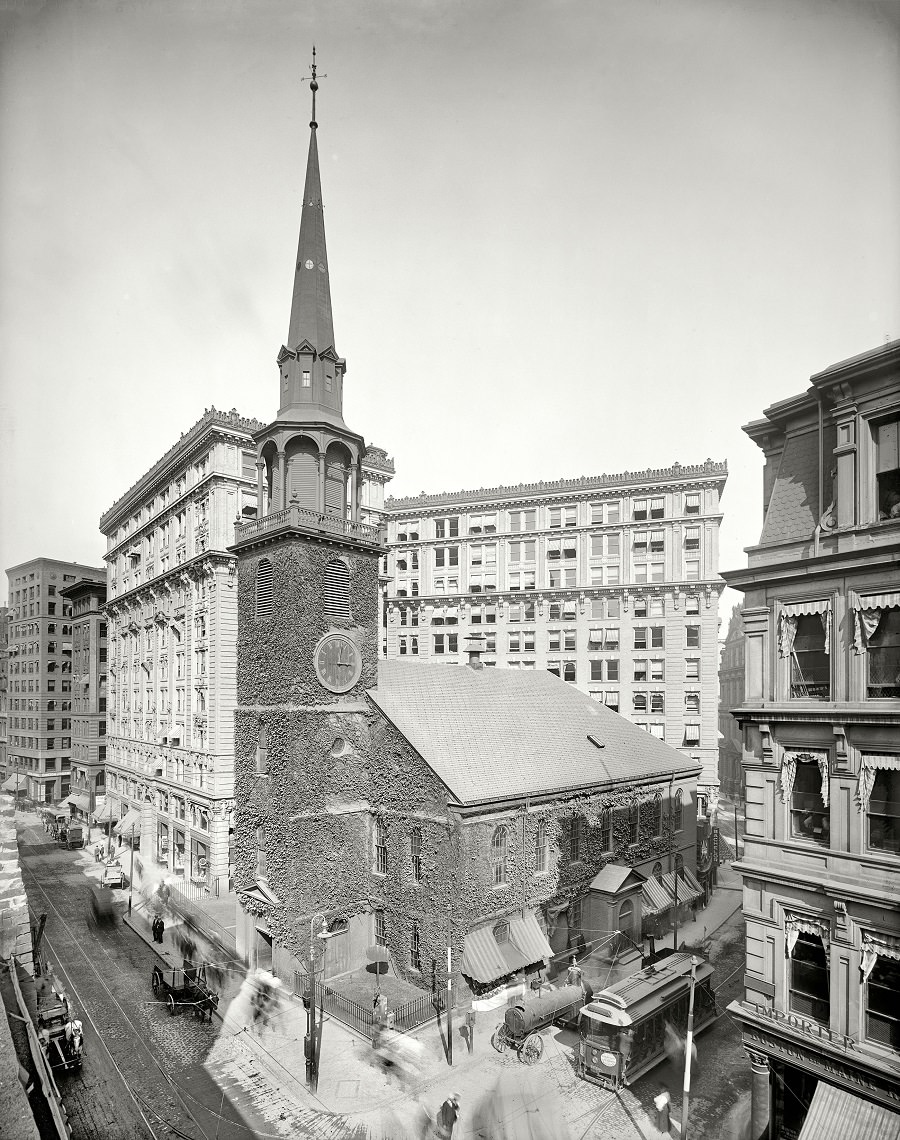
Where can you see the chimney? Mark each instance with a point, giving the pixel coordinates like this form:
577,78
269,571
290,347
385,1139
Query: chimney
474,648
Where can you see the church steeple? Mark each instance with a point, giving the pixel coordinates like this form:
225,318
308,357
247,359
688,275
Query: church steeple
312,373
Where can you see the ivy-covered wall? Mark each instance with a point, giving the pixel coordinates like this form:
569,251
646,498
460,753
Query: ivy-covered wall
335,763
275,654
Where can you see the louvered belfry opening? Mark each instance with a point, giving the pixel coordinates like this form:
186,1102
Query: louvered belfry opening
302,459
337,469
265,592
337,589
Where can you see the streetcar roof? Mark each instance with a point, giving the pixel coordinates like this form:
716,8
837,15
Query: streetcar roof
632,998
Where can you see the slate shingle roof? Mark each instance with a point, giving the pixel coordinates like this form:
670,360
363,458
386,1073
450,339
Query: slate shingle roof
795,496
496,733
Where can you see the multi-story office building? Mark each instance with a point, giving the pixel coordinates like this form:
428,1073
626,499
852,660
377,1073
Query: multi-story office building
821,747
4,685
89,664
731,694
39,749
610,582
171,612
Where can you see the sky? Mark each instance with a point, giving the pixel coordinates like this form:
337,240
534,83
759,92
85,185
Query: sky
566,237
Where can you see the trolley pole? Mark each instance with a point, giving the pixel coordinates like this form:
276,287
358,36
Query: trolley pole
688,1044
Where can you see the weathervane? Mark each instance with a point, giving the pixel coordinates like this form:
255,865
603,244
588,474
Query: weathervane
314,87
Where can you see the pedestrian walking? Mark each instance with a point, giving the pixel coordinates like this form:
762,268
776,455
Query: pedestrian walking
448,1116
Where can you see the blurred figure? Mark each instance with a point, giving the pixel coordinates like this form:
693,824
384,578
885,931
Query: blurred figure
574,974
448,1116
264,998
400,1056
523,1105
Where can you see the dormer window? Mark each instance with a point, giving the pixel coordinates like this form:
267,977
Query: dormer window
307,378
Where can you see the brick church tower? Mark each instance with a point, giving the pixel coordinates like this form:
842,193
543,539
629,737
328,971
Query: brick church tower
307,635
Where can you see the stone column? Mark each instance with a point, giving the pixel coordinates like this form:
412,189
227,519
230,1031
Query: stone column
760,1094
260,488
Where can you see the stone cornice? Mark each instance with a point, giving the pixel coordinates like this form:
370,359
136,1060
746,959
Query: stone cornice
138,491
713,472
193,569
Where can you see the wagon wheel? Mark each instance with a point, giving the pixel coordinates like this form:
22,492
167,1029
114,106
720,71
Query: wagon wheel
498,1039
533,1050
170,1002
156,980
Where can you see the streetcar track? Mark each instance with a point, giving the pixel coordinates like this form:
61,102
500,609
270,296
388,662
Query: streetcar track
137,1035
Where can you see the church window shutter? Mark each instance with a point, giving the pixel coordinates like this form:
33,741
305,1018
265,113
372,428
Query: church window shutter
265,592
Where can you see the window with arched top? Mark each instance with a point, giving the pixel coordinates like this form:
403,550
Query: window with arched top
415,949
337,589
498,856
679,866
541,847
678,814
656,815
633,824
265,589
501,933
626,917
657,871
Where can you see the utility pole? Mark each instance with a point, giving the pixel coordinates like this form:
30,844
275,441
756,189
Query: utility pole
688,1045
310,1042
449,999
675,915
131,883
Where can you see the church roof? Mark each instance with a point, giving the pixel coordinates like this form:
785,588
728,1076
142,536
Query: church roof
493,734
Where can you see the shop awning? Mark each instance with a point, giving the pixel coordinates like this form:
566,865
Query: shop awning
485,959
836,1114
80,802
9,784
689,889
129,821
655,899
104,813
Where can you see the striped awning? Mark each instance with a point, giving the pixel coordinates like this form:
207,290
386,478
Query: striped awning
836,1114
889,600
80,802
9,784
104,813
129,821
689,890
485,959
655,899
806,609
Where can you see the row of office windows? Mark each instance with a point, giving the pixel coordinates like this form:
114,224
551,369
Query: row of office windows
602,545
609,608
556,578
607,513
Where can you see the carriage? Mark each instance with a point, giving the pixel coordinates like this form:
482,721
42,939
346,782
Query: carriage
61,1035
103,910
523,1021
185,988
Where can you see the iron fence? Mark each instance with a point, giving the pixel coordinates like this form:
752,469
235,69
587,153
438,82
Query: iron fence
408,1015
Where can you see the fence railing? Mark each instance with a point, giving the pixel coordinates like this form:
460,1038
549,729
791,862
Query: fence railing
408,1015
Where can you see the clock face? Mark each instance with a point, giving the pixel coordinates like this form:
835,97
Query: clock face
338,662
309,264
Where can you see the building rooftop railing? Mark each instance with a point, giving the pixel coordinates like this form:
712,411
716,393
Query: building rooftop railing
300,518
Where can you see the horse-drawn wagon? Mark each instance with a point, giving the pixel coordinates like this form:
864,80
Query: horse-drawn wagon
185,988
61,1035
523,1021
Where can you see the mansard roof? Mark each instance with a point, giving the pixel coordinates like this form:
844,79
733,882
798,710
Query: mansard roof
493,734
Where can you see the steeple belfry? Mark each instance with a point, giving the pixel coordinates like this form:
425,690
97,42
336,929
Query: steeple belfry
312,373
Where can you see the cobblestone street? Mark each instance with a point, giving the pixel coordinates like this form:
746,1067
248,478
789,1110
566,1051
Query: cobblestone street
145,1073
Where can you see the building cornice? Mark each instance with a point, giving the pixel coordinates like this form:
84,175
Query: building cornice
712,472
212,418
816,566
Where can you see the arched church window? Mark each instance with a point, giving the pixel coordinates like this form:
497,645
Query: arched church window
337,589
265,591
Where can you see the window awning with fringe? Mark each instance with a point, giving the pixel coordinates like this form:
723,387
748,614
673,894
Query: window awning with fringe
868,610
870,763
789,768
787,622
875,946
797,924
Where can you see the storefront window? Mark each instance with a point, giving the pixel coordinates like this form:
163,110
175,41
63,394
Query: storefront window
199,860
178,845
